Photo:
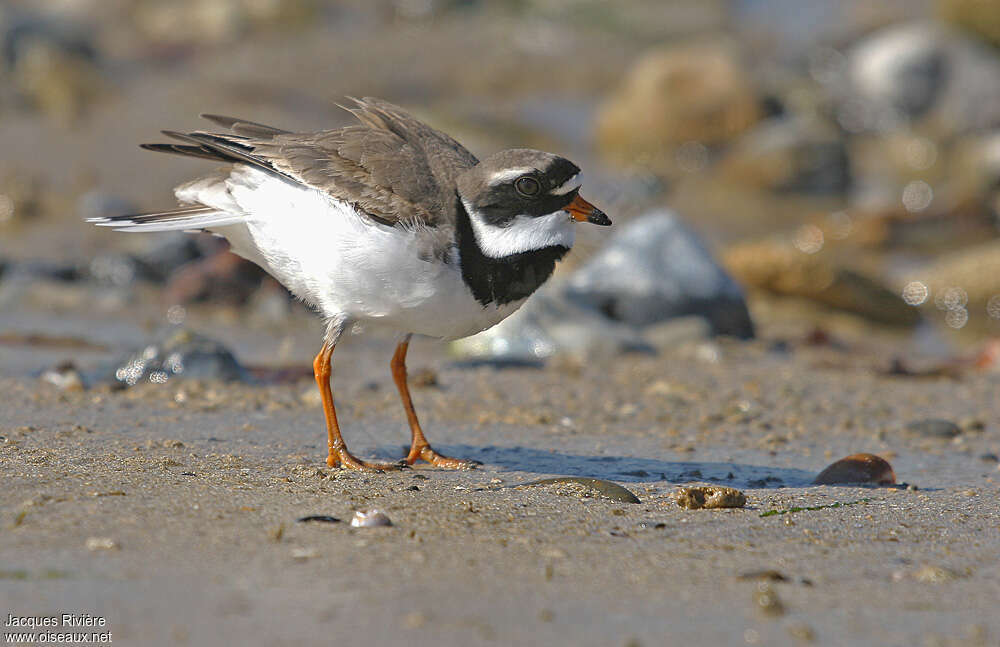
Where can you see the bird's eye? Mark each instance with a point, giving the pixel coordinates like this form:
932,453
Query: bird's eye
527,186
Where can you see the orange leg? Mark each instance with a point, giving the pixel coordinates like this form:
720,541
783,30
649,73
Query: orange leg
419,447
338,454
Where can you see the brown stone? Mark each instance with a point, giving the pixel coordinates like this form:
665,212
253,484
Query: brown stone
858,468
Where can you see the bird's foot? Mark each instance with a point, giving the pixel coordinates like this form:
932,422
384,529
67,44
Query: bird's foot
346,460
424,452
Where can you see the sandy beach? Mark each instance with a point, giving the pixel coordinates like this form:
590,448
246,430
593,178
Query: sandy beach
173,511
200,511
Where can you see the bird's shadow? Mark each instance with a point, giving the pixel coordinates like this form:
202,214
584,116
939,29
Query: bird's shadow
630,468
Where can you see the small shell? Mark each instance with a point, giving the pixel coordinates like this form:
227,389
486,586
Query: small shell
370,519
858,468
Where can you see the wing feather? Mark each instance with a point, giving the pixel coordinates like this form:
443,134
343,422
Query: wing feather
391,166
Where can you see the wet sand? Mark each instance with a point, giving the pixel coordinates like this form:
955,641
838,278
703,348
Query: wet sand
171,510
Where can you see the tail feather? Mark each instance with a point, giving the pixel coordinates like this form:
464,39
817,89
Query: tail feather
200,195
182,219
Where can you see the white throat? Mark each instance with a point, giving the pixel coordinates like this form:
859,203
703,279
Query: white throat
522,233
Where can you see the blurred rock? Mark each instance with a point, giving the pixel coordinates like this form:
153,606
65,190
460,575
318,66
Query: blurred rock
790,156
548,325
64,377
168,253
681,331
222,276
933,428
116,270
60,270
654,269
898,72
906,72
975,165
21,196
797,270
177,353
214,22
52,64
679,94
978,17
19,28
965,283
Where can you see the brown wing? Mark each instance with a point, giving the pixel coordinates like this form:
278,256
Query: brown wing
374,169
392,166
445,157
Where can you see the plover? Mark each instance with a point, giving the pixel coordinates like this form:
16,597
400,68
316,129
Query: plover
388,223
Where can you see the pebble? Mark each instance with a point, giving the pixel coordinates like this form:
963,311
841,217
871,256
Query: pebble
64,377
605,489
932,574
858,468
101,543
710,496
320,518
370,519
934,428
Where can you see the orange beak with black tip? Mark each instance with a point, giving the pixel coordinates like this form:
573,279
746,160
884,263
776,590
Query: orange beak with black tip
582,211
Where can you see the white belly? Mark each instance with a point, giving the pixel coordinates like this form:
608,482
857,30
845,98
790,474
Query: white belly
351,267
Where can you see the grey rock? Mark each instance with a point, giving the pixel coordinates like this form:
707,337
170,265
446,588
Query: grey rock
906,72
177,353
19,29
168,254
900,69
548,325
655,269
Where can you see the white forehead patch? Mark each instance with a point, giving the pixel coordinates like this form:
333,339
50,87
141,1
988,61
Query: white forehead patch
571,184
522,233
502,177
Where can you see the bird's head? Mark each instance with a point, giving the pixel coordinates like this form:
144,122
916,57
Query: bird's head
521,200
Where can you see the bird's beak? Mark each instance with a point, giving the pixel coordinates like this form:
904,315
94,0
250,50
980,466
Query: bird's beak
581,210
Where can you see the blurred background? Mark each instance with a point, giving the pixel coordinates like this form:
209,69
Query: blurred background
795,171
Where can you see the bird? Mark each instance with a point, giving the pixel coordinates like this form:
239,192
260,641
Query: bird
386,224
